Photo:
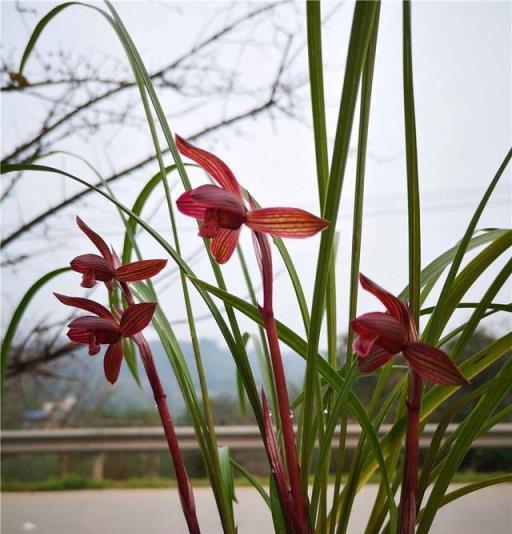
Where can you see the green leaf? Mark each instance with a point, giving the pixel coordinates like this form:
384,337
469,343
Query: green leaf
411,153
437,323
432,272
362,25
470,488
252,480
333,378
470,429
20,311
39,29
227,480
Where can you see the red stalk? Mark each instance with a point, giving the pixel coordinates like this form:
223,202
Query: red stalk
407,516
283,402
184,487
300,516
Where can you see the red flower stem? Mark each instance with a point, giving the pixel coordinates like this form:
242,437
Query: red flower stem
407,516
184,487
299,505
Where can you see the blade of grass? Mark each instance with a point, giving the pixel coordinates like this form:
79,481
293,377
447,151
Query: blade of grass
362,24
436,324
470,429
357,228
20,310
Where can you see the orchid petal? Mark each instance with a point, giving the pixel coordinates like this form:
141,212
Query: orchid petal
92,262
78,334
394,306
136,318
85,304
112,361
211,164
105,330
376,358
97,240
285,222
433,364
363,345
392,336
139,270
189,206
224,244
212,196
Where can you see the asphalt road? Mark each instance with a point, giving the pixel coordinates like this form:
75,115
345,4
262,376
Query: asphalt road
488,511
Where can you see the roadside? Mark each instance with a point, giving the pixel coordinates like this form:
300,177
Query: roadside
158,511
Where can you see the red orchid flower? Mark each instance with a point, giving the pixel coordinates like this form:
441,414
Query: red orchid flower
381,336
222,211
102,328
104,269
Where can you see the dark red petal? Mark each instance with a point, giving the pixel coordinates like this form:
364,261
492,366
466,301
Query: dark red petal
139,270
285,222
105,330
97,240
364,345
224,244
433,364
392,336
215,197
85,304
188,206
112,361
93,263
211,164
398,309
136,318
378,357
79,335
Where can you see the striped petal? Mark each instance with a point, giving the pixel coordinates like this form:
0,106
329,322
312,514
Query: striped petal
285,222
362,345
396,308
94,264
85,304
376,358
433,364
219,171
212,196
224,244
97,240
139,270
105,330
136,318
391,335
195,202
79,335
112,361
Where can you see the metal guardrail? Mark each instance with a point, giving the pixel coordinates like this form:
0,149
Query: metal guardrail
98,441
91,440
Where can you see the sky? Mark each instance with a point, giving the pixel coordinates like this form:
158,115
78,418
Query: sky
463,94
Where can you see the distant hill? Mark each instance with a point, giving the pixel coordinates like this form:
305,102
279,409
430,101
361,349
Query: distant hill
217,361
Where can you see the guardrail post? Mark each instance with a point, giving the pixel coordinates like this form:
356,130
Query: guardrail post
98,464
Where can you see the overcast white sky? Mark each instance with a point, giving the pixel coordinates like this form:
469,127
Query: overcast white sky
462,74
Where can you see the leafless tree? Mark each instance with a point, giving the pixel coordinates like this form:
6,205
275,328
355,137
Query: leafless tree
94,97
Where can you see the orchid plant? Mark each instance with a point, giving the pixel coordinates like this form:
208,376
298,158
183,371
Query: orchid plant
408,396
